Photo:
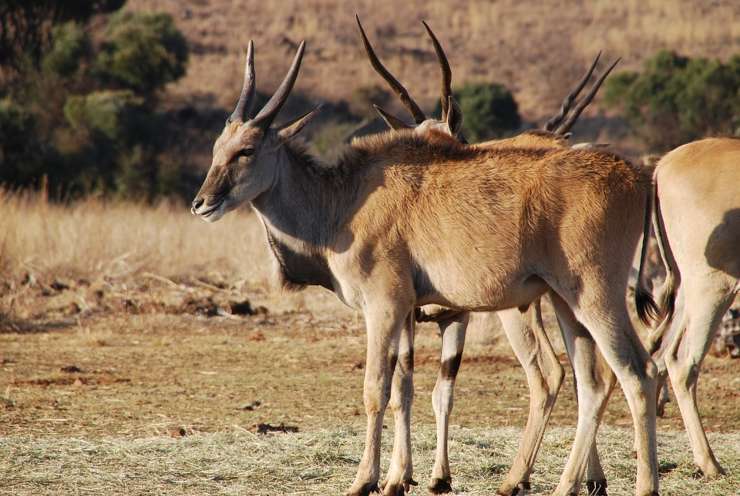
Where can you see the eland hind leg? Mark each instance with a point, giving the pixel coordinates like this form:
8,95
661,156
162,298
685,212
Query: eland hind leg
602,309
544,374
706,301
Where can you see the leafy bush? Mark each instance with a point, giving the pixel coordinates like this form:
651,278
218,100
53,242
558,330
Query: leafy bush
70,45
87,119
142,51
117,148
20,154
27,26
676,99
119,115
489,111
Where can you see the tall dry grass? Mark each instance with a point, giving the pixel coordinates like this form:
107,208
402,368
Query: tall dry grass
95,237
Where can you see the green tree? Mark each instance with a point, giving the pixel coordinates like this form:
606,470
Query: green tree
70,45
489,111
142,52
86,116
675,99
26,26
117,115
20,152
117,147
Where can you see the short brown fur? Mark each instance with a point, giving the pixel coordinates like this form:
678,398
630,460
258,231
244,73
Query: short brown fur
403,221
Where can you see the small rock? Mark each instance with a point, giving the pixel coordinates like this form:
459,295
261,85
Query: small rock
72,309
267,428
129,306
178,432
58,285
240,308
28,279
250,406
71,369
200,306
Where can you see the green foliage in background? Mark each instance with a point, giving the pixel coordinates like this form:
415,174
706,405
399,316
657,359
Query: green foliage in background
676,99
362,99
86,117
28,26
142,51
117,115
70,47
489,111
17,146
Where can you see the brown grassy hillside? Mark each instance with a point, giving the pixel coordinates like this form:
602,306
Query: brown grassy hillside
536,48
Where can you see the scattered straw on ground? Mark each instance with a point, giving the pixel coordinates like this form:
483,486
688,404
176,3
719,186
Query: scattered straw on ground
322,462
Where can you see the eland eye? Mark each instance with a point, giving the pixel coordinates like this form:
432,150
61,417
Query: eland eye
245,152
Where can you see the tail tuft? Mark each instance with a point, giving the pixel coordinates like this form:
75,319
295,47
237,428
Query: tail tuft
668,299
647,309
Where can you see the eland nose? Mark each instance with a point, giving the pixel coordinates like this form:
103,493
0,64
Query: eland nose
197,203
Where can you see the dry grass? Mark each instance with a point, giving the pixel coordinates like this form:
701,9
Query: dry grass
97,238
536,48
320,462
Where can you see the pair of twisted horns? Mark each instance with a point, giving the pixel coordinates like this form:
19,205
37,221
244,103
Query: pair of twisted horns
562,122
268,113
559,124
398,88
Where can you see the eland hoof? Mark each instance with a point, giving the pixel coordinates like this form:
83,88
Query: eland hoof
596,488
440,486
365,490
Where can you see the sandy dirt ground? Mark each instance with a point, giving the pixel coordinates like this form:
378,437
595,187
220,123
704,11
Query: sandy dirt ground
113,364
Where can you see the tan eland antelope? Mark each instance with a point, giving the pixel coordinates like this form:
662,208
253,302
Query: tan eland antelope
696,219
531,345
403,220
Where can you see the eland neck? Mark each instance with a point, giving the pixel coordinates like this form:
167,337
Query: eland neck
303,211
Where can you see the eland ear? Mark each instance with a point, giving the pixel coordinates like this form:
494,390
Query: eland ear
391,120
454,117
293,127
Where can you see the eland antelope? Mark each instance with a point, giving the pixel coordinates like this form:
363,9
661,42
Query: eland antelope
403,220
696,217
529,342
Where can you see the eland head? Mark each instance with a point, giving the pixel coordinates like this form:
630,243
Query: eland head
246,152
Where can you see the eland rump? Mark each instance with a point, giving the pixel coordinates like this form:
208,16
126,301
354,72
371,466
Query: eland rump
700,247
403,220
